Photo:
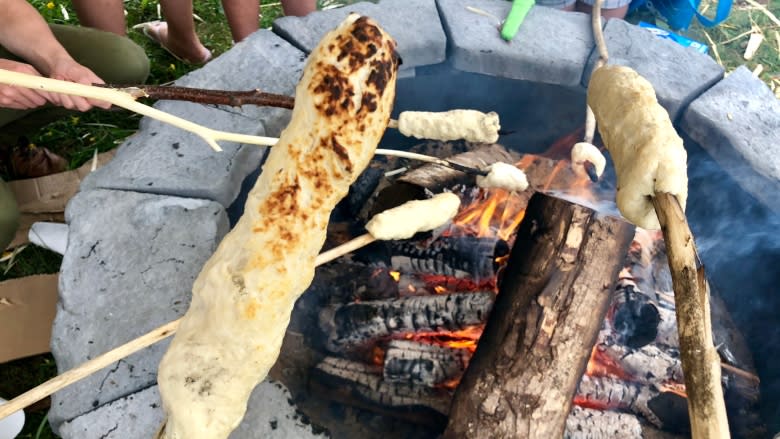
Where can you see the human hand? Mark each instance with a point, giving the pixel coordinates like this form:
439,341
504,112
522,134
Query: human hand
20,98
68,69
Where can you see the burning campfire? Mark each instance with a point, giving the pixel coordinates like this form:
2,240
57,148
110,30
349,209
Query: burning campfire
400,323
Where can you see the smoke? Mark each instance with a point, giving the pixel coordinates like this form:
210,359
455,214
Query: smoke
739,243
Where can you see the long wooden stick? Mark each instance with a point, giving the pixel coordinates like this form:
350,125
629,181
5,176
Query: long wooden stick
85,369
125,100
700,360
206,96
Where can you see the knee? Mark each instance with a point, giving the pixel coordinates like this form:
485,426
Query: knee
132,64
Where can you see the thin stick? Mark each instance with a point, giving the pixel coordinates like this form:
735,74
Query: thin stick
125,100
743,373
206,96
763,9
700,361
601,45
714,49
343,249
430,159
85,369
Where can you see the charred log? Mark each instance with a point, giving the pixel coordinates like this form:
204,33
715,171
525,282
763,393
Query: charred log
635,318
430,177
423,364
648,365
665,410
459,257
362,385
353,325
585,423
550,306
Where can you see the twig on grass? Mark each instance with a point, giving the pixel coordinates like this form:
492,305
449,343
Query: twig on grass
714,49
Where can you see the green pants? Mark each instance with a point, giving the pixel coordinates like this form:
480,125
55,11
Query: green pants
115,59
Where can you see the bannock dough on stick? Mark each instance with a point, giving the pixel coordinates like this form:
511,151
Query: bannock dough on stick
648,154
404,221
242,299
470,125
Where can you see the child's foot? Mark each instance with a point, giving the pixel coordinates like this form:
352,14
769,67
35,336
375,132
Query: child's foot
157,31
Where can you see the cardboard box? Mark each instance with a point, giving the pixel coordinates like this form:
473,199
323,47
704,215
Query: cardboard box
27,309
50,194
45,198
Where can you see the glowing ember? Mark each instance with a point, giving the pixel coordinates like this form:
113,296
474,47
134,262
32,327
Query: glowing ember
600,365
463,339
676,388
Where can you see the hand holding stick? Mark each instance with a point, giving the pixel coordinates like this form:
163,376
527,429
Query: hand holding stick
127,101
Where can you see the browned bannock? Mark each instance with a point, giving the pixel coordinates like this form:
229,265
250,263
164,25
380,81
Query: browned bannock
242,299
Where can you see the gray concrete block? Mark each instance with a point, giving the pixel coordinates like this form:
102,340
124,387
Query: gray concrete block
128,268
270,414
738,123
414,24
163,159
551,46
678,74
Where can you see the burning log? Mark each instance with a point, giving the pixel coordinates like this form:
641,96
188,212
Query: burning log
585,423
664,409
355,325
455,256
341,282
648,365
423,364
362,385
552,300
634,317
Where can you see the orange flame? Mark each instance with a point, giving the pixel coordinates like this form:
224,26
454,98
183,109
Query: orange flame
602,365
463,339
498,214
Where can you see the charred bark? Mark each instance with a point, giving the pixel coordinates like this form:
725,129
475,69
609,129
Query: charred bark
459,257
423,364
551,303
362,385
354,325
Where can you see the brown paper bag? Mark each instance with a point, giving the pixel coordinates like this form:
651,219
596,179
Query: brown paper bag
27,309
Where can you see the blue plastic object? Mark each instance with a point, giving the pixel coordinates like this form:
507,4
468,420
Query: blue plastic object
679,14
679,39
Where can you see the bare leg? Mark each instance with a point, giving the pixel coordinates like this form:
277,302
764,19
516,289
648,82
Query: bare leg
106,15
179,35
243,16
298,8
606,13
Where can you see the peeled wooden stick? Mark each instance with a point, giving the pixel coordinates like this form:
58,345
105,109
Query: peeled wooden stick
586,159
85,369
127,101
650,162
474,126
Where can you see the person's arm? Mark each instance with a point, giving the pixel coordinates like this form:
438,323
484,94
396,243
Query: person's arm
26,34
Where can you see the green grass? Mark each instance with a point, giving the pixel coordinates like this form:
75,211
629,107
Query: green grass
727,42
77,137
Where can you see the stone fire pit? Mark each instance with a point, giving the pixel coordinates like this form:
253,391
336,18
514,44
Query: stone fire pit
142,227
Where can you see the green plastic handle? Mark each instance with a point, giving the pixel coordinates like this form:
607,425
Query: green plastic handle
515,18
